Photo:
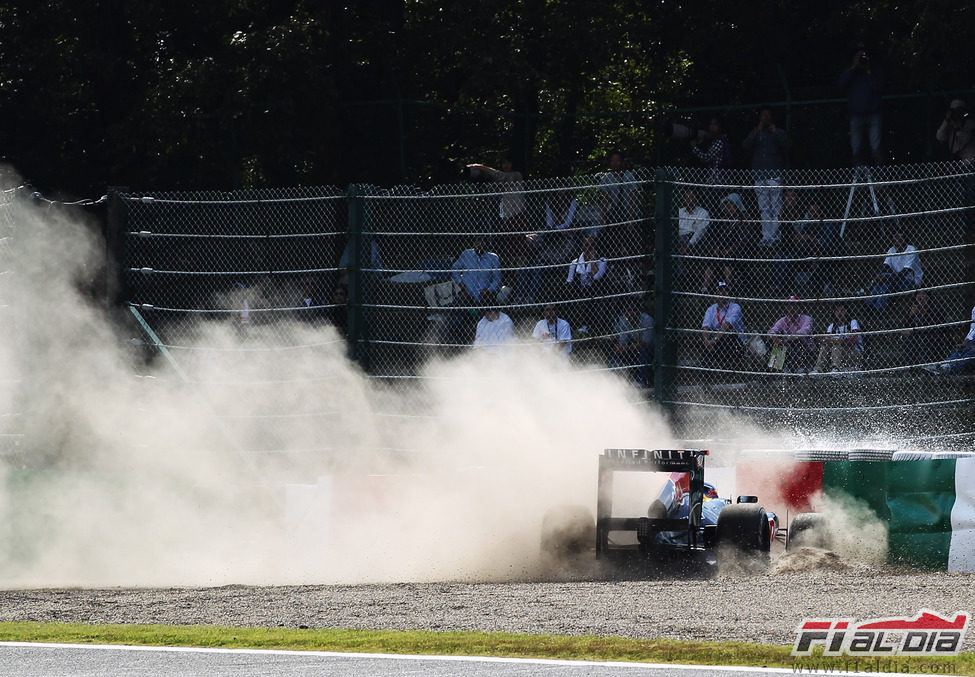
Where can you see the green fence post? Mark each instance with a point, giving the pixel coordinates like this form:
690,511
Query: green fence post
665,353
356,334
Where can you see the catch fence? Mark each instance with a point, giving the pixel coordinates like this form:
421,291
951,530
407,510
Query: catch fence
388,269
823,238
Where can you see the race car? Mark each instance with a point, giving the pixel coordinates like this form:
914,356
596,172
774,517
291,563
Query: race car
687,515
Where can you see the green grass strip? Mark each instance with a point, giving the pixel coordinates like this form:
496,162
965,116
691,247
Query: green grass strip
445,643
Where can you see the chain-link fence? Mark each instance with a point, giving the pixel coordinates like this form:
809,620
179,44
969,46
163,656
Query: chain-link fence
818,300
575,265
577,244
416,281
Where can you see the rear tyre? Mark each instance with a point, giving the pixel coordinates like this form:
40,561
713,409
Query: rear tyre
744,526
808,529
743,538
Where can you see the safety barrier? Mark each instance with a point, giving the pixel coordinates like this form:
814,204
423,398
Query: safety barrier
924,500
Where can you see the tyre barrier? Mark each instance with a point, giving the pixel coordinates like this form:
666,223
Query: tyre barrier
926,499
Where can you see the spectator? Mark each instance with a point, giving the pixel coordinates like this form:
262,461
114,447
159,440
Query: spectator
692,225
634,343
619,191
550,245
922,342
715,155
560,213
843,348
792,332
553,331
723,338
494,330
769,147
620,210
728,239
863,82
511,208
587,270
587,273
957,132
478,272
900,271
692,222
962,359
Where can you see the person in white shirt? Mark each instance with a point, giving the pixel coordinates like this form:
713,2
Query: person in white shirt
493,331
722,322
586,276
843,348
553,331
900,271
588,268
692,222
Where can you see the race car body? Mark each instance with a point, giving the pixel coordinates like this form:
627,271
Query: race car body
687,514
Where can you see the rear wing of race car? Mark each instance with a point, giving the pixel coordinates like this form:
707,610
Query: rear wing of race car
690,461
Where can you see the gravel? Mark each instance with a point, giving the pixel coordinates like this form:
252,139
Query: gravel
743,607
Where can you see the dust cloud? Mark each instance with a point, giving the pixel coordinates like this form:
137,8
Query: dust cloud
239,457
235,459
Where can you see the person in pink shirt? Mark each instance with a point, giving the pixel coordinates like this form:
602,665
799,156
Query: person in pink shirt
793,331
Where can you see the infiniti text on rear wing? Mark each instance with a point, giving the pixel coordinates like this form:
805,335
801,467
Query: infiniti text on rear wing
655,460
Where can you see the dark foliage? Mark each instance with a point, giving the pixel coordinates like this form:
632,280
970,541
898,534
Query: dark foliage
231,93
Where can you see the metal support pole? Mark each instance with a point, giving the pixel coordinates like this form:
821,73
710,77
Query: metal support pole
665,353
357,248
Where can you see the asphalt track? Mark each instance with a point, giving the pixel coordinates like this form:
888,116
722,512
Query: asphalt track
72,660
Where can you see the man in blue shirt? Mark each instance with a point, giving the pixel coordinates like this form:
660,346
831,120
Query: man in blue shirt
478,271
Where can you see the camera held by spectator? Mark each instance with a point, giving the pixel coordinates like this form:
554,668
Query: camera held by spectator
679,130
